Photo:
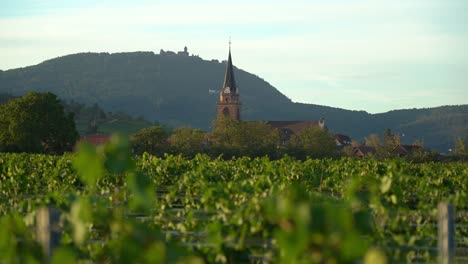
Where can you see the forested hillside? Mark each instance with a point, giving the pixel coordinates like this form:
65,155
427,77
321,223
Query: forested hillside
175,90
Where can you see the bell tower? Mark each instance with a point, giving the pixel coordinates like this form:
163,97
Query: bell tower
229,103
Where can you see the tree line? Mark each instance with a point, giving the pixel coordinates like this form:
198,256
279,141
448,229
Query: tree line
231,138
39,123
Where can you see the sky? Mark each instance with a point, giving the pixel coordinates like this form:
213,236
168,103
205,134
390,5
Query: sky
370,55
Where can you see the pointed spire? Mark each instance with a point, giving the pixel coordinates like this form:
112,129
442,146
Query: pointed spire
229,80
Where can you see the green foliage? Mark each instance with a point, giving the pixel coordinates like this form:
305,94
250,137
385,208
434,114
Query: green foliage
148,209
126,240
152,140
391,141
382,151
314,142
237,138
373,140
422,156
64,255
308,230
461,148
36,123
187,141
89,164
348,151
26,250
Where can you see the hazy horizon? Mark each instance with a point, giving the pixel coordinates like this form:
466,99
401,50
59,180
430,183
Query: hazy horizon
374,56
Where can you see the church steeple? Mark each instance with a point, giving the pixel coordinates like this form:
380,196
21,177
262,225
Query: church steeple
229,80
229,103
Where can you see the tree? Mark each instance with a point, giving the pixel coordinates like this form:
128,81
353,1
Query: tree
355,143
151,139
373,140
348,151
419,143
259,139
36,123
235,138
391,141
460,147
314,142
187,141
226,132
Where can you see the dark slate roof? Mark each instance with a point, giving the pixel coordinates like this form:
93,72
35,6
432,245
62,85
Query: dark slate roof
407,149
365,150
229,80
342,138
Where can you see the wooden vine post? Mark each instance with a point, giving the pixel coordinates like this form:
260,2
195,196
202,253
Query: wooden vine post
48,231
446,233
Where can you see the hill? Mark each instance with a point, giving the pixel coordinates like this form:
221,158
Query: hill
175,90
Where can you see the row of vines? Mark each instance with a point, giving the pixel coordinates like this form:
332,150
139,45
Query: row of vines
116,208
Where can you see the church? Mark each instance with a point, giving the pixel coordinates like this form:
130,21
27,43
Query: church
229,104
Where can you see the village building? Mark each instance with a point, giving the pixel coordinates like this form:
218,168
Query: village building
363,151
184,52
404,150
342,140
171,53
96,139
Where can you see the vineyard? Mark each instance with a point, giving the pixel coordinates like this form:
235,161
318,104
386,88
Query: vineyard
117,208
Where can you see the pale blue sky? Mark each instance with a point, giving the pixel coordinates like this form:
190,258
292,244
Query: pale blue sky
370,55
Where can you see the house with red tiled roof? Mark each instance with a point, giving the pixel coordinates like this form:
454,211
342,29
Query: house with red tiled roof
96,139
363,151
